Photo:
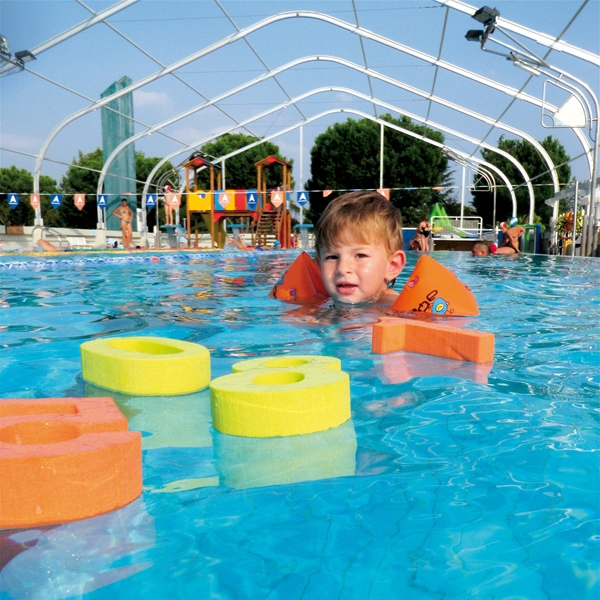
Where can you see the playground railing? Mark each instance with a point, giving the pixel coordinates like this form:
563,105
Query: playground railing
455,227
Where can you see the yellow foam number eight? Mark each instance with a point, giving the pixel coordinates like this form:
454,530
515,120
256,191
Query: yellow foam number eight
283,396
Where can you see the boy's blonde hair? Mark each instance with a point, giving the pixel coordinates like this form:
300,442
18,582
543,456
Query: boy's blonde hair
367,216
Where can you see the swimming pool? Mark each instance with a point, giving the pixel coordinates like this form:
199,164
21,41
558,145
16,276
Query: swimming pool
450,481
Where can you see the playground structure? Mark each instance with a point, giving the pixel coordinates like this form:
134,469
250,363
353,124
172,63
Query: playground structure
260,212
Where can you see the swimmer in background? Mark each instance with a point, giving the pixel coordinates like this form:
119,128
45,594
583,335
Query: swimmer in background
124,213
510,237
480,249
359,249
420,241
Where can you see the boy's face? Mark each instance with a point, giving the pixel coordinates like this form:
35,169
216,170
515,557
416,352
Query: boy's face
355,272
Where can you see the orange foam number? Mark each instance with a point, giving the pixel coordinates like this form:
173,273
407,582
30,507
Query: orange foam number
63,459
393,335
302,282
434,289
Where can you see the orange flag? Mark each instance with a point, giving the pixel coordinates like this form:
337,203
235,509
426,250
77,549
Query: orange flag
80,201
34,200
327,193
385,192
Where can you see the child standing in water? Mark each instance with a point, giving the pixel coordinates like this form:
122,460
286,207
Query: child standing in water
359,248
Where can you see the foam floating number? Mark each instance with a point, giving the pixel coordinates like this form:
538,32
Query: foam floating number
281,396
64,459
146,366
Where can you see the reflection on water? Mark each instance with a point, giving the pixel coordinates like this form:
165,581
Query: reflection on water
452,480
254,462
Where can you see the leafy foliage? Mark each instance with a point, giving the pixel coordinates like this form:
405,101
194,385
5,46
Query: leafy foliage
82,180
346,157
240,172
20,181
534,165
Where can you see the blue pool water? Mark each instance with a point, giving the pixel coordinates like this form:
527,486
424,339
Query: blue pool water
450,481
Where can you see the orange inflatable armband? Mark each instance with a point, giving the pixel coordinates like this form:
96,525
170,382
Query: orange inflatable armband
393,335
63,459
434,289
301,283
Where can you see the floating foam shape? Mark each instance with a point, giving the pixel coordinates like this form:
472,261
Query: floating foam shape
65,459
393,335
285,362
146,366
302,282
434,289
249,463
282,402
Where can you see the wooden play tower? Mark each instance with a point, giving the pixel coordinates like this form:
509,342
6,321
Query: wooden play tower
264,214
273,215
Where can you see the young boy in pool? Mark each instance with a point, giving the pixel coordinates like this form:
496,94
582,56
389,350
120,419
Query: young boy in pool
359,249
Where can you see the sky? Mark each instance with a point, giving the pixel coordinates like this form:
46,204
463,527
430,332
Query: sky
149,35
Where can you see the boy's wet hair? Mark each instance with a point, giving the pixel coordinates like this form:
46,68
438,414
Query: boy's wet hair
368,216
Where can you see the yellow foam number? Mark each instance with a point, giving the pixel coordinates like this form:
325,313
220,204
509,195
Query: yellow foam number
281,399
146,366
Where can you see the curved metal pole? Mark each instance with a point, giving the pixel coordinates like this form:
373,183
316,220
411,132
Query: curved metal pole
314,118
349,64
252,28
507,156
97,18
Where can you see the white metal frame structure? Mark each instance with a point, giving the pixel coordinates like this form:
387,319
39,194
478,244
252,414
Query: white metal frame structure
372,76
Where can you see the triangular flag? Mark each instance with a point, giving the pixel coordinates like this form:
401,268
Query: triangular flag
56,201
327,193
80,201
34,200
102,201
276,199
435,290
385,192
301,283
13,200
224,200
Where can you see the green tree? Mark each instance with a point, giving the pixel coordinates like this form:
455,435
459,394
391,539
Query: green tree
81,178
143,165
240,172
535,167
20,181
346,157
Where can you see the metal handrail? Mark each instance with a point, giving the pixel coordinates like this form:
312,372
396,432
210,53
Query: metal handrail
53,232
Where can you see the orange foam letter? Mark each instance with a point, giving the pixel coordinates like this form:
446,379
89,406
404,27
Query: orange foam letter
393,335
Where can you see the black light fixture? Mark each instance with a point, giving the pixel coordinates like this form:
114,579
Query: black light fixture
475,35
24,56
486,15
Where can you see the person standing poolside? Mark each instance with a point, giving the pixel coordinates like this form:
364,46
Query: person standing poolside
124,213
359,248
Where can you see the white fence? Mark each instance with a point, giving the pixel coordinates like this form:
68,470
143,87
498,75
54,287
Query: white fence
455,227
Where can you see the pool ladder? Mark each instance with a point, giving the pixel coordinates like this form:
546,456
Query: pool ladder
53,232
